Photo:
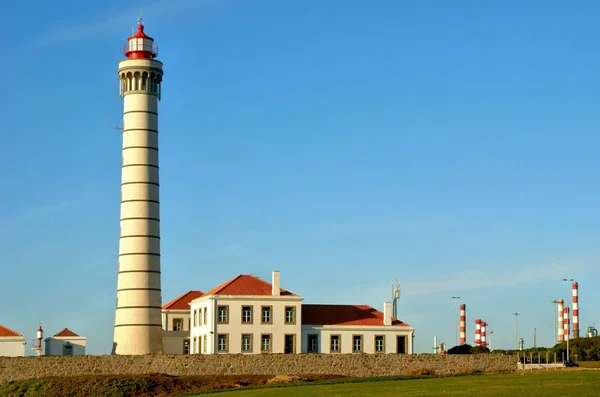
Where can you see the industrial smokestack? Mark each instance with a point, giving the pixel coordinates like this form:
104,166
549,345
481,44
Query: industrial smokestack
566,322
463,324
561,328
575,310
276,289
477,331
483,333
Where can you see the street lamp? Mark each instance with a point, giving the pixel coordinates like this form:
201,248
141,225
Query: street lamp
554,322
491,332
455,321
516,330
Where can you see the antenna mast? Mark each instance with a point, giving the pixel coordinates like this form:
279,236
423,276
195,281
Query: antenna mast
395,297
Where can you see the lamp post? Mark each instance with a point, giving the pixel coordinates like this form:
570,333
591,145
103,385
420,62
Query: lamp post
554,322
491,332
568,333
455,321
516,330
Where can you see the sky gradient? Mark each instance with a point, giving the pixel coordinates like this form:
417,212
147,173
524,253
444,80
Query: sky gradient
452,145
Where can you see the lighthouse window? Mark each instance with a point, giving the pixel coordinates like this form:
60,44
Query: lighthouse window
144,81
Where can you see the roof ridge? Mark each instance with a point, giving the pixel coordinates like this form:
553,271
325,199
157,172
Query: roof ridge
10,331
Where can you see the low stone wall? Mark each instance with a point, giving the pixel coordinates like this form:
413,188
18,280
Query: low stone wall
14,368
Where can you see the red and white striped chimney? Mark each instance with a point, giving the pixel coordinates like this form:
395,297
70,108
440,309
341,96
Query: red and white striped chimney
561,327
566,322
575,310
463,324
483,333
477,331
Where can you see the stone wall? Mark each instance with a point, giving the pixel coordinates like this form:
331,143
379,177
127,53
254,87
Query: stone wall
14,368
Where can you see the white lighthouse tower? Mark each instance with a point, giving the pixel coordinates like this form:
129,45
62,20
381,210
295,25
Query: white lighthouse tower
138,313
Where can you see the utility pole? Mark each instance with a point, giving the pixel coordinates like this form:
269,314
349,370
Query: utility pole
568,333
516,330
554,322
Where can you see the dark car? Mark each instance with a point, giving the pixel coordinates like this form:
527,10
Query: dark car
571,363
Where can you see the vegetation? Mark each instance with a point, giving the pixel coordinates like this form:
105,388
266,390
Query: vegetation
532,384
468,349
581,349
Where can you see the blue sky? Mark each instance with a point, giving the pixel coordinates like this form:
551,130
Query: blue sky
346,143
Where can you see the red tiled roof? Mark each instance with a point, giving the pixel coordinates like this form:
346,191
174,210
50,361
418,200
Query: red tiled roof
66,332
7,332
182,302
246,284
344,315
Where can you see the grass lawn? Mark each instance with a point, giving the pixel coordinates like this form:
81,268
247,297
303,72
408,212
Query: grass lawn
559,383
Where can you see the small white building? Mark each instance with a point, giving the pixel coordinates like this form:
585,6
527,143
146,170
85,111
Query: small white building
12,344
65,343
354,329
176,323
246,315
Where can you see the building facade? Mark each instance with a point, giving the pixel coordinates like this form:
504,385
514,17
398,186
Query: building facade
354,329
246,315
65,343
251,316
12,344
176,323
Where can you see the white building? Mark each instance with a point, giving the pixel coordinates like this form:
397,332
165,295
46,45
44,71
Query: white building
176,323
354,329
65,343
247,315
12,344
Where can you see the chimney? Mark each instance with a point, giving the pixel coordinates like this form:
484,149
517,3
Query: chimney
275,284
387,313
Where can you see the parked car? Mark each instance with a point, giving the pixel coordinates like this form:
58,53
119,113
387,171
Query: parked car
571,363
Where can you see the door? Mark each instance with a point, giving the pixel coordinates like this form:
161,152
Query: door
289,347
401,345
313,343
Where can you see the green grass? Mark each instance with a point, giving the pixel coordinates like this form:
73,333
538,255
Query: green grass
532,384
589,364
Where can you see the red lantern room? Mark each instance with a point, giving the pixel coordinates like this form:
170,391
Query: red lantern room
140,45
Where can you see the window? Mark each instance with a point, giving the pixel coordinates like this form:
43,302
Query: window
223,314
195,318
186,346
335,343
313,343
67,349
177,324
266,314
265,342
246,343
199,312
222,342
357,343
205,316
247,314
204,347
379,344
290,315
195,345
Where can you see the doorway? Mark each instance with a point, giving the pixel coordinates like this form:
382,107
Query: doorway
289,347
401,345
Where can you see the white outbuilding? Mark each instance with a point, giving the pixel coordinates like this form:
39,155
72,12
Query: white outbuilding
12,343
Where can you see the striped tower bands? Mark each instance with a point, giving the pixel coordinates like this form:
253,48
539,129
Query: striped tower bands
566,322
138,327
561,327
483,333
477,332
463,324
575,310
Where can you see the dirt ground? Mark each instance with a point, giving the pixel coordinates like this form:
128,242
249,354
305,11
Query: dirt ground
154,385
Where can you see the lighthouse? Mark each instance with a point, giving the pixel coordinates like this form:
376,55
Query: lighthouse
138,310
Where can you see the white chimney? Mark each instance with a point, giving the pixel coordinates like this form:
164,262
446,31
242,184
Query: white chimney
387,313
275,290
